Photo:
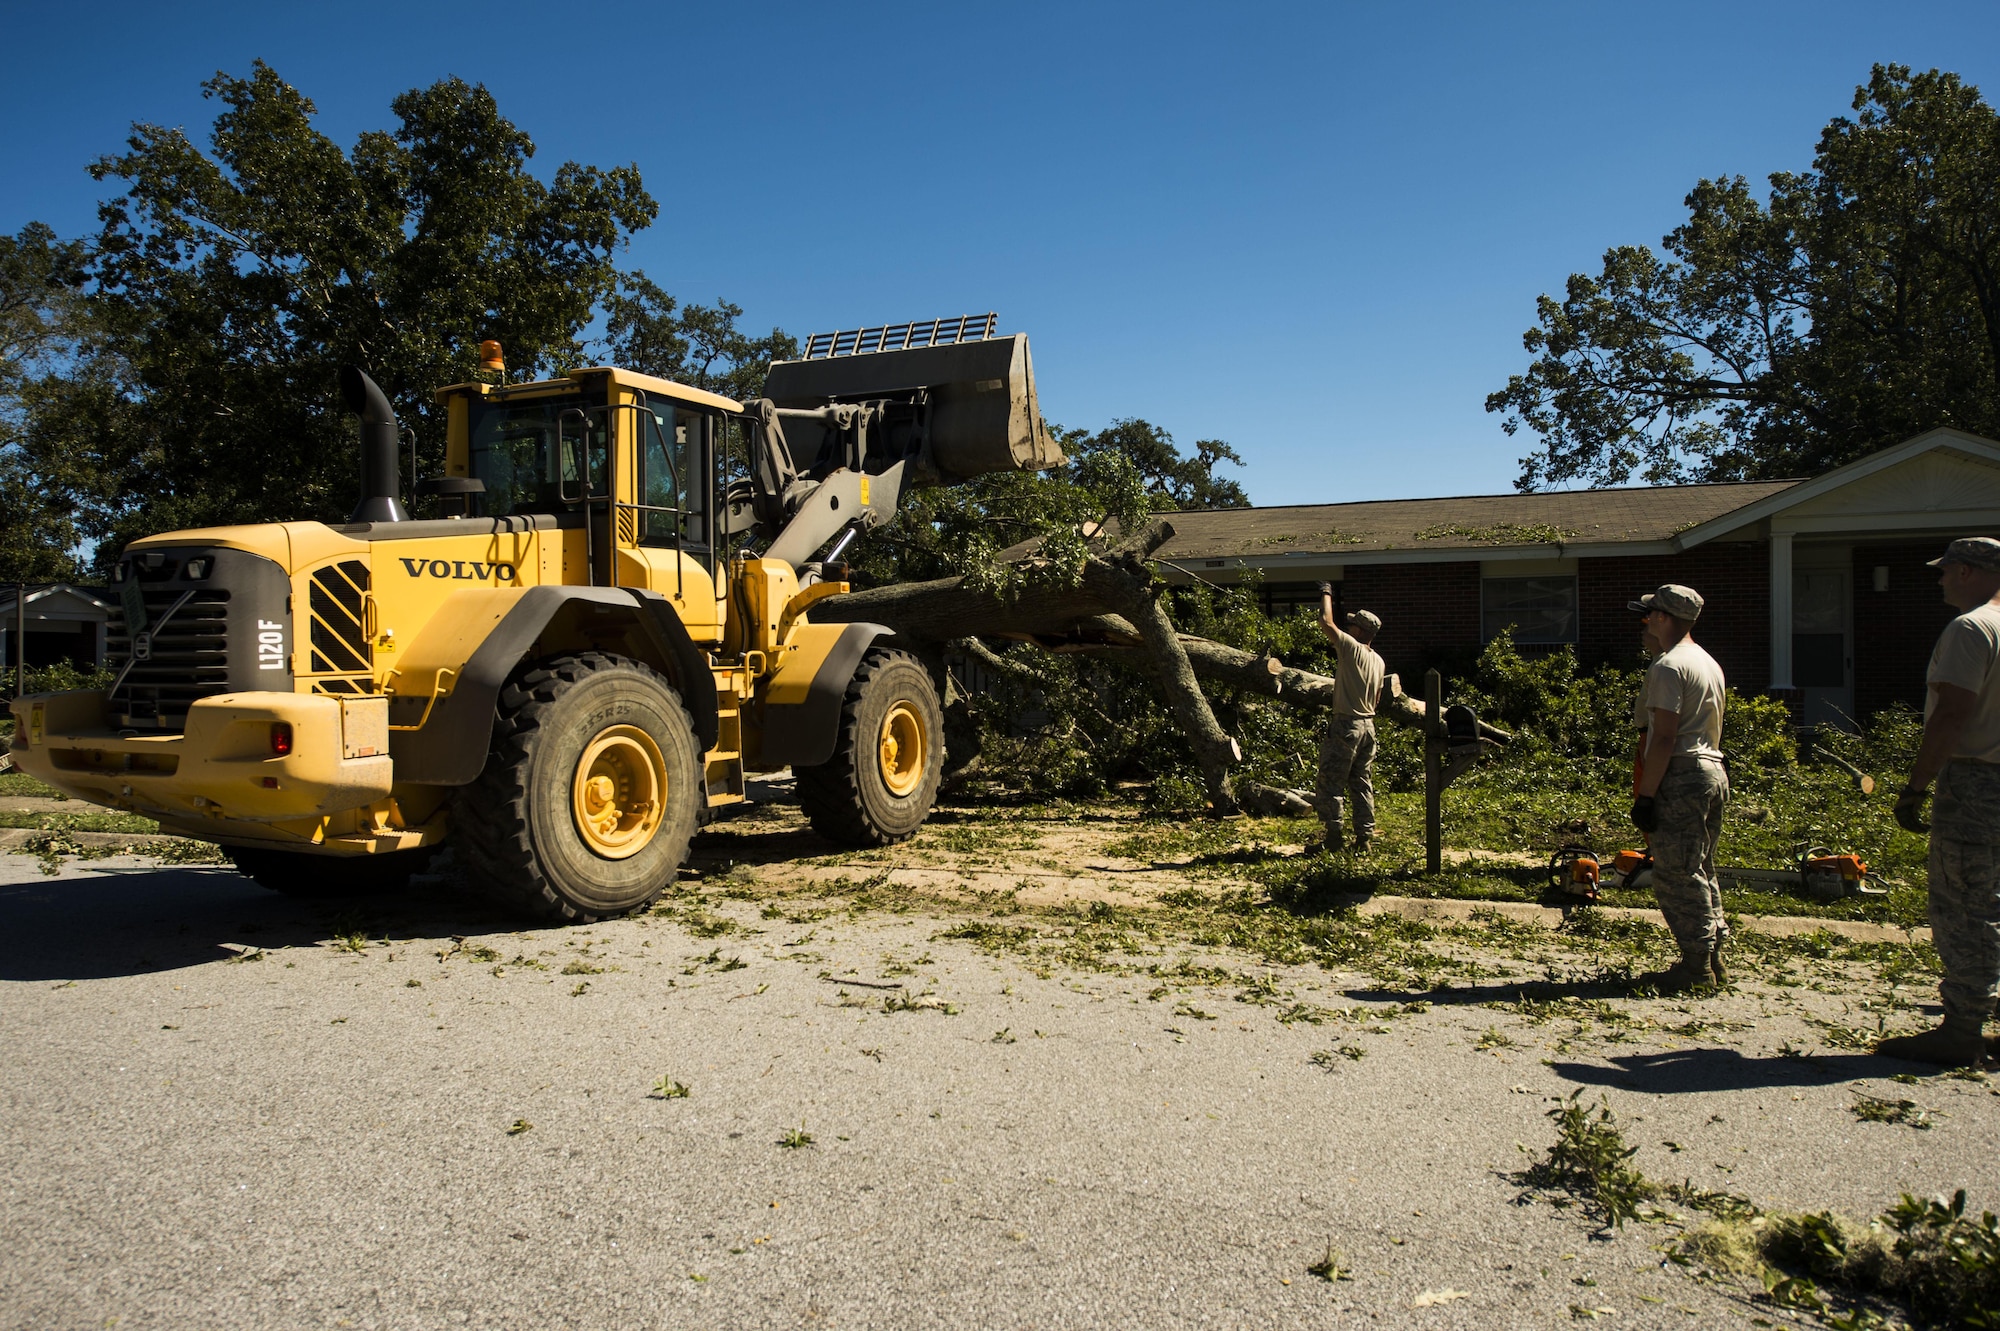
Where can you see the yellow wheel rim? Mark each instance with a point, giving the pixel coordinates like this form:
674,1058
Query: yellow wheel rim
620,792
903,749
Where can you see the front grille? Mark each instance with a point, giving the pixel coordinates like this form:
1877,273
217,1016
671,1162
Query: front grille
189,656
233,635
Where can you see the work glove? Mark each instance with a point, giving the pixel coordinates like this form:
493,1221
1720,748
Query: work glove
1646,814
1910,810
1326,589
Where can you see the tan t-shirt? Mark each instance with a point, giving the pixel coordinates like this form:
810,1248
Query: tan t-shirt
1358,681
1685,679
1966,655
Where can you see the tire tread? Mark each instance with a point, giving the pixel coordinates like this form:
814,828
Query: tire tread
830,792
490,816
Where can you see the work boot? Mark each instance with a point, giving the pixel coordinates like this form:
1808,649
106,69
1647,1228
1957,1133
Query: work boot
1690,972
1362,842
1954,1044
1715,967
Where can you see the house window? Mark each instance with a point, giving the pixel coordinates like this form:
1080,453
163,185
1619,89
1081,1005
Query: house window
1282,600
1542,610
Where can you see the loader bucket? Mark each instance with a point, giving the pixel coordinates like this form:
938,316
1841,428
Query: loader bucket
983,413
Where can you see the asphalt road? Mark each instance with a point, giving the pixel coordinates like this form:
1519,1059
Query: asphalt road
216,1115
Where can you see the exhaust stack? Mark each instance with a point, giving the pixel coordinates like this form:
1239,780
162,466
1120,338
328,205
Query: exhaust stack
381,481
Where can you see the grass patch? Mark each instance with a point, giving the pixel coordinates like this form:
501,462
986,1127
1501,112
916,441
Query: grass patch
1331,1267
21,784
1930,1256
106,820
918,1003
705,924
1870,1109
177,850
1591,1163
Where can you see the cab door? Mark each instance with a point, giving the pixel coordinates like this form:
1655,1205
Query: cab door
663,526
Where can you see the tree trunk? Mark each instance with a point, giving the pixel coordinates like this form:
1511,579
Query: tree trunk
1114,613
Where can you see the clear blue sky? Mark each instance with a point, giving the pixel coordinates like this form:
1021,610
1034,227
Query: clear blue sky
1316,231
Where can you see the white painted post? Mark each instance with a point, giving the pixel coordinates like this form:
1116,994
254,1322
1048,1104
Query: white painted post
1781,610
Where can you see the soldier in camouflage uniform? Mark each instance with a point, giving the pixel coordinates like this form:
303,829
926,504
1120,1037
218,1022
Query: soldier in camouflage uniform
1682,784
1961,750
1347,747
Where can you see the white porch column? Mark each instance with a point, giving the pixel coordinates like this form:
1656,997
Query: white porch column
1781,610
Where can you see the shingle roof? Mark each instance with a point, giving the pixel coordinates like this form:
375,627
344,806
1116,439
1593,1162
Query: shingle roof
1467,522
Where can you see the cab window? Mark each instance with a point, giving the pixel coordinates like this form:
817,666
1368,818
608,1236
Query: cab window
672,433
530,454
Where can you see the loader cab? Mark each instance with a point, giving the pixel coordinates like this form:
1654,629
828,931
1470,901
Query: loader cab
631,458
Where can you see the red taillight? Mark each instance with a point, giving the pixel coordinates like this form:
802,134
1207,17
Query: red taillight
281,738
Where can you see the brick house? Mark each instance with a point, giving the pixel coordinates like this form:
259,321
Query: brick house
64,623
1817,589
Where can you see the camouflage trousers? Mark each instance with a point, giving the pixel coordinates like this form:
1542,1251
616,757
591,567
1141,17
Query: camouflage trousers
1690,803
1346,759
1965,888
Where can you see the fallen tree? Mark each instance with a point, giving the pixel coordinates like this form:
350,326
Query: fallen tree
1112,607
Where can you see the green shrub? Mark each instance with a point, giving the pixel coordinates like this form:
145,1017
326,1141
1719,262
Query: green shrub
1077,727
58,678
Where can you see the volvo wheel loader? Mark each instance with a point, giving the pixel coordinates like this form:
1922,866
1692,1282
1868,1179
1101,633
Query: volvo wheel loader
579,662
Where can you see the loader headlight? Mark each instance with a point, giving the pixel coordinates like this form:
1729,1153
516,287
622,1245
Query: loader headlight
197,569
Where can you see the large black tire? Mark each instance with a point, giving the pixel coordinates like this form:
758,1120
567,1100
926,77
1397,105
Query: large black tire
877,790
329,877
528,829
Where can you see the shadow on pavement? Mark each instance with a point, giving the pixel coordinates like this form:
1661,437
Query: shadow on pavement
111,920
1606,984
1684,1071
744,842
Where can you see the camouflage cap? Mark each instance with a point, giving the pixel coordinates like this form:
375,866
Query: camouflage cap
1367,617
1974,552
1678,601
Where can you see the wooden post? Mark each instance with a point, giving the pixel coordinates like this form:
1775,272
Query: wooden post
1434,769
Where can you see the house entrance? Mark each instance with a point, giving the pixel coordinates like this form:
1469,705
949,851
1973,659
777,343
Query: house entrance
1823,637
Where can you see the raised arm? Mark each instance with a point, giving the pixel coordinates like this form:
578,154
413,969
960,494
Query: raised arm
1334,633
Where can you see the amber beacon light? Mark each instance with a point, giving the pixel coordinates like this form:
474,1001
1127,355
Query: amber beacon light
490,357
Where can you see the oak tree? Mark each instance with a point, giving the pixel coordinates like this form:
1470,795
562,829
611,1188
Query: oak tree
231,281
1852,306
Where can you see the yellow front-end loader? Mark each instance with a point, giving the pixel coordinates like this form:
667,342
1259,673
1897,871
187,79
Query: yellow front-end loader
577,664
